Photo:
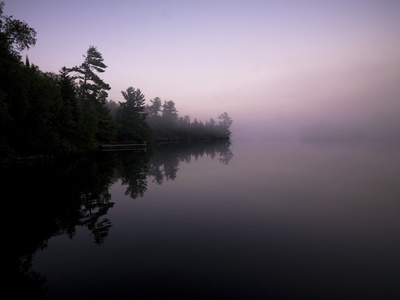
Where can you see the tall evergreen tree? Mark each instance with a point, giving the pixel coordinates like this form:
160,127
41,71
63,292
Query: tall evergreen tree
130,116
169,118
169,112
93,95
224,125
155,107
90,84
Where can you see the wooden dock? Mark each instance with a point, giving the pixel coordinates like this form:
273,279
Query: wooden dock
119,147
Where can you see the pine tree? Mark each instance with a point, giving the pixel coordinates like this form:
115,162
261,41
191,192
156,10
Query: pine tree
91,85
224,125
130,116
93,97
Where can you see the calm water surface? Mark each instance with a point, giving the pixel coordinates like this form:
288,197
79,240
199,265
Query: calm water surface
254,220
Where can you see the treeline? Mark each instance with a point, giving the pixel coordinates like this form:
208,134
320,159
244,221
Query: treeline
166,123
137,121
44,113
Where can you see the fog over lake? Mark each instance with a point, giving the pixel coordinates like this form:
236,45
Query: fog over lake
256,219
291,190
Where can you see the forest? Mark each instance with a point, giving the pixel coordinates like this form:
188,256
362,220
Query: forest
46,113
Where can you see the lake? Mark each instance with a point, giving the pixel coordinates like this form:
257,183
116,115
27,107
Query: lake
269,219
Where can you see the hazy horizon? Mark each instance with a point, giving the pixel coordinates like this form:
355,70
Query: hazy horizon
284,67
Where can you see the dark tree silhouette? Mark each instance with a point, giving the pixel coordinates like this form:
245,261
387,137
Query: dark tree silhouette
93,95
90,84
130,116
15,35
42,114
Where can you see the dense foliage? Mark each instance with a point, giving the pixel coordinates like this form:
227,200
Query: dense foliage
43,113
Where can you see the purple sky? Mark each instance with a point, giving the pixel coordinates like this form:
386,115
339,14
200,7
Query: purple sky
277,64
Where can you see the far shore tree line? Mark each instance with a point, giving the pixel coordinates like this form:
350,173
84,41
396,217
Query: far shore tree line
47,113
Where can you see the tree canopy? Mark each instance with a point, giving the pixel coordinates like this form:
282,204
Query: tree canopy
130,117
15,35
91,86
45,113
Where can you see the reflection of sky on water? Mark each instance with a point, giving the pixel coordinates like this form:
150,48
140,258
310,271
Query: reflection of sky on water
282,218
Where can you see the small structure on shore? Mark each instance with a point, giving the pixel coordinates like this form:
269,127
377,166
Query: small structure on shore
130,146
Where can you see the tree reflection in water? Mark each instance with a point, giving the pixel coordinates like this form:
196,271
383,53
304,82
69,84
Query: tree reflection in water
50,199
164,164
53,198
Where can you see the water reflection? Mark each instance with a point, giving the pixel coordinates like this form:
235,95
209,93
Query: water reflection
132,169
164,164
50,199
55,198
